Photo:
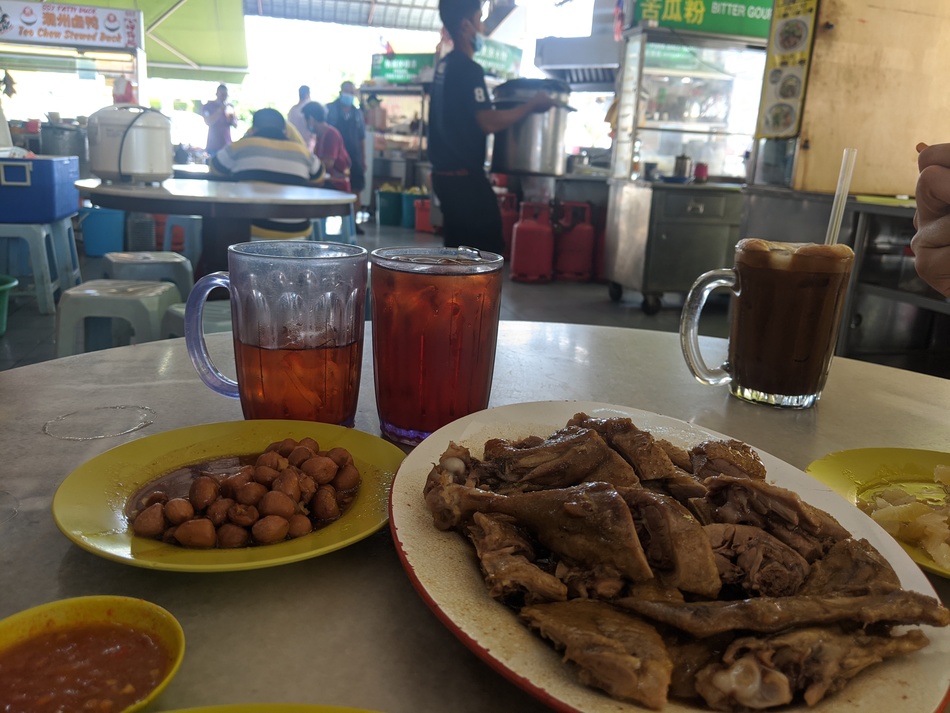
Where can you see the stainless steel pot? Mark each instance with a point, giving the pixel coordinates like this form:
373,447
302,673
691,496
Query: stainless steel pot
683,166
534,145
66,140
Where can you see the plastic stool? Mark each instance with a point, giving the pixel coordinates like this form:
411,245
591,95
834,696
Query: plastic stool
347,230
45,279
191,225
67,257
142,304
216,318
154,266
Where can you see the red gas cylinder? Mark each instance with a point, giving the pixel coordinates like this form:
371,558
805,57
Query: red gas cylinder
574,254
508,204
532,245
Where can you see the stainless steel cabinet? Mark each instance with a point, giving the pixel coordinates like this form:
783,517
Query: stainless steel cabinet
671,235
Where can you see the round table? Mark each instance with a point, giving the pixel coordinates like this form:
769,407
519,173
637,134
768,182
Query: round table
227,207
347,628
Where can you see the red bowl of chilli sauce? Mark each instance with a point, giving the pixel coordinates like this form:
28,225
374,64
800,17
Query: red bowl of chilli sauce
88,653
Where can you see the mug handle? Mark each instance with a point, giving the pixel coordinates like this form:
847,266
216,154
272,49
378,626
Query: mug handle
689,325
195,338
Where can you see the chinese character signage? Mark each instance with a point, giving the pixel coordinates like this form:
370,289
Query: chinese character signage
499,59
745,18
34,23
786,69
402,68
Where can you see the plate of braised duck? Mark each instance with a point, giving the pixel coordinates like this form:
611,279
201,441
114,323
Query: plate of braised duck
606,558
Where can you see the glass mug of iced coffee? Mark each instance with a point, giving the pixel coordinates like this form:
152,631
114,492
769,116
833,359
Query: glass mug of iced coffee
297,314
786,310
435,325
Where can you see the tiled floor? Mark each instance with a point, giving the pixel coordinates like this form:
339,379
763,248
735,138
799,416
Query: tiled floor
30,337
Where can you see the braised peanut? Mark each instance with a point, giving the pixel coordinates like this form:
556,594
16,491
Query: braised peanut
150,522
286,446
157,497
217,511
270,459
235,482
298,455
307,487
300,525
250,493
277,503
308,442
340,456
288,484
197,533
347,478
178,510
287,493
243,515
265,475
320,468
231,535
324,505
270,529
204,491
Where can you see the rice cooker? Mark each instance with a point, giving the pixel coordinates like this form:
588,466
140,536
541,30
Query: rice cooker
130,143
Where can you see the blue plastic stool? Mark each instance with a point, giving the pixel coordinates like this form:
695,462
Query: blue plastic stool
52,263
347,230
191,224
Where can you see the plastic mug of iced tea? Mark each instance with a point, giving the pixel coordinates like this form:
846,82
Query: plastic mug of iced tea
786,311
435,325
297,314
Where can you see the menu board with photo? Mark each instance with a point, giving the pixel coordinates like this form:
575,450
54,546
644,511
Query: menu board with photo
786,68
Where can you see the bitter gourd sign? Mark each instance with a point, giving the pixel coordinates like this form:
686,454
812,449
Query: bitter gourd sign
745,18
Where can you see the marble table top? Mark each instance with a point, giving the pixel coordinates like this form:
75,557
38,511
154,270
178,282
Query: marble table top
347,628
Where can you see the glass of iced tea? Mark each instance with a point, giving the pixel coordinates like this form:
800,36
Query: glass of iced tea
435,324
786,314
297,314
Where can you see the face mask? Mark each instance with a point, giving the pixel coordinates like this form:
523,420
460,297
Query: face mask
479,42
347,99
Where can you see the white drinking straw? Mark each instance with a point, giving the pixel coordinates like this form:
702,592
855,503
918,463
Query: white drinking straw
841,196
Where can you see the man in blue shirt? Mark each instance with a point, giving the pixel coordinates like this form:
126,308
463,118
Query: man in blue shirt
460,118
344,116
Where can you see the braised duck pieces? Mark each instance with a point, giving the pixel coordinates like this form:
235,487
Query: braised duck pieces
663,573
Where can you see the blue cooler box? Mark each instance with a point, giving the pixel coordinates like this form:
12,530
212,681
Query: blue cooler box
38,190
103,230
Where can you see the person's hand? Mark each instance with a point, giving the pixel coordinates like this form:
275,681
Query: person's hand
931,244
542,101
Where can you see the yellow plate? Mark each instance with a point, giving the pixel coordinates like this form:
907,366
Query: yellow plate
861,472
134,613
89,505
272,708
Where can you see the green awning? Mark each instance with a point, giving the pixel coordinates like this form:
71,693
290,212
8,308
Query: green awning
190,39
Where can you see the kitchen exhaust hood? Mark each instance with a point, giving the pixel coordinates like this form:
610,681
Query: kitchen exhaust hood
587,64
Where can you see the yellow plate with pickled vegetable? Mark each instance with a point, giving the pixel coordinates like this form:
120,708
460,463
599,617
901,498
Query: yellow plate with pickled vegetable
89,506
866,473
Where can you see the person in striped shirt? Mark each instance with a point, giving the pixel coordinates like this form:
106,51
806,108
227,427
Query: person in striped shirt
270,153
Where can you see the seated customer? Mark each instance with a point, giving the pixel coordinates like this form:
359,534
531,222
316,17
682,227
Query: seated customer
268,154
329,146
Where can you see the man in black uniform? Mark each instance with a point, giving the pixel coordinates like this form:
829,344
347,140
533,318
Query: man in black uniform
460,118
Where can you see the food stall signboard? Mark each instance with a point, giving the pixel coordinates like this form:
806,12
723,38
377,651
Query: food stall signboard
47,23
743,18
786,70
403,68
499,59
